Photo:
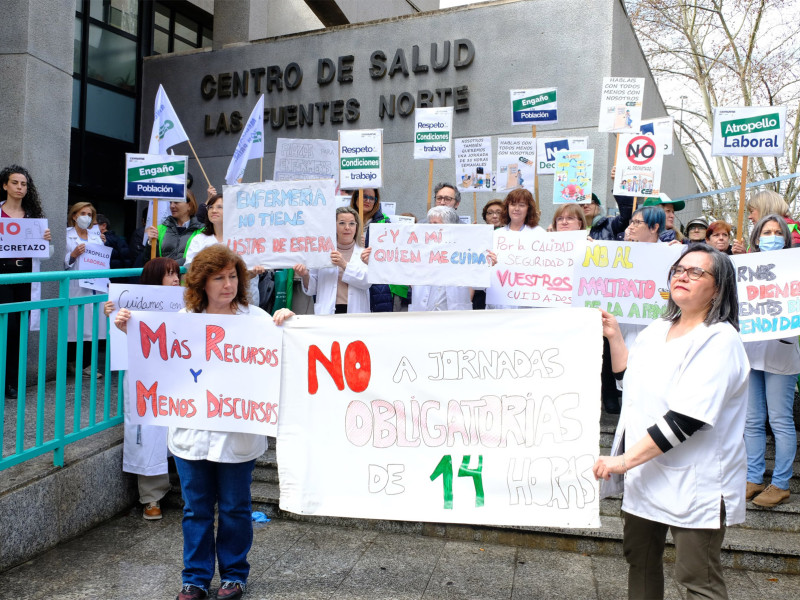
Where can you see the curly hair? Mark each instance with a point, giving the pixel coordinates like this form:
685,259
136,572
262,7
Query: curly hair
206,264
155,270
30,202
524,196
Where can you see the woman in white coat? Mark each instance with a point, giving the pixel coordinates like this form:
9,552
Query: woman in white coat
343,287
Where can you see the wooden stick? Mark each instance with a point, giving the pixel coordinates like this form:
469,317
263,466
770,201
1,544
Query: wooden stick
536,176
154,241
635,198
208,181
361,206
430,182
742,194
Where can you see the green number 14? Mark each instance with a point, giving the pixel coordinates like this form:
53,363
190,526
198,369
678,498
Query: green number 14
445,469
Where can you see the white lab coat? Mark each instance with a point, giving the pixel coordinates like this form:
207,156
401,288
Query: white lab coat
457,297
323,283
76,291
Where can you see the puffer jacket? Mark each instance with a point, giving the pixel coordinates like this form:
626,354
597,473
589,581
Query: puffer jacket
608,228
173,241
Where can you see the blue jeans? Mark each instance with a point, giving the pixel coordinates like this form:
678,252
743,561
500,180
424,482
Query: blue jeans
205,484
771,396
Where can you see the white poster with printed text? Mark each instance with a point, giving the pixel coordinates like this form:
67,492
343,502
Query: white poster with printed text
640,159
488,417
749,131
546,149
200,371
516,164
474,164
360,159
433,132
534,268
297,159
621,104
96,257
23,238
661,130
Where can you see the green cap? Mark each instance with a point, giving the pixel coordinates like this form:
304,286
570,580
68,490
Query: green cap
662,199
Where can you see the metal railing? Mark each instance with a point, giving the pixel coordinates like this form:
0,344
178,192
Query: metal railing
63,430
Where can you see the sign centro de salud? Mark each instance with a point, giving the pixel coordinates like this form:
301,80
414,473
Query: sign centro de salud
749,131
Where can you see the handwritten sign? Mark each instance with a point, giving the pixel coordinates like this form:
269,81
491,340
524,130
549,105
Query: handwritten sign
199,371
429,254
278,224
621,104
159,176
573,176
534,268
768,286
516,164
96,257
433,132
23,238
360,159
749,131
482,417
474,164
546,149
535,107
628,279
639,162
297,159
151,298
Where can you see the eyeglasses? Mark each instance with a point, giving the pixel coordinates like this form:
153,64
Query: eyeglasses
694,273
494,213
445,198
636,222
369,198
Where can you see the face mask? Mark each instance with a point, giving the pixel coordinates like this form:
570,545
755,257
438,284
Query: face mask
770,242
84,221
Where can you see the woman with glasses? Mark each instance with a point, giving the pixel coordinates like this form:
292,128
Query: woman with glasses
774,366
493,213
343,287
568,217
679,449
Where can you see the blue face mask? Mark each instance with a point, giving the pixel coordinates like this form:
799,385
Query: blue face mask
771,242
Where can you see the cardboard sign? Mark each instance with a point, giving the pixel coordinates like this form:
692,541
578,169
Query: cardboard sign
487,417
534,107
360,159
639,162
768,286
297,159
661,130
151,298
427,254
573,176
23,238
534,268
516,164
627,279
433,132
96,257
159,176
474,164
278,224
199,371
621,104
546,149
749,131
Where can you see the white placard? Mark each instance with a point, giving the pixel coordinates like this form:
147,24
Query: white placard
95,257
546,149
749,131
388,208
278,224
487,417
474,164
639,162
297,159
534,106
534,268
23,238
155,176
151,298
621,104
360,159
426,254
627,279
516,164
199,371
433,132
661,130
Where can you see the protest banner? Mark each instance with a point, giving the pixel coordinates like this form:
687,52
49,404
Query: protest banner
534,268
361,159
433,132
628,279
661,130
546,149
534,106
428,254
516,164
621,104
768,286
749,131
297,159
639,162
23,238
573,176
151,298
278,224
155,176
200,371
474,164
95,257
487,417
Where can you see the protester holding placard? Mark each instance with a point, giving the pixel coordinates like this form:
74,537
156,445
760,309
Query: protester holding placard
669,232
767,202
19,199
82,229
774,366
718,235
342,288
679,440
177,231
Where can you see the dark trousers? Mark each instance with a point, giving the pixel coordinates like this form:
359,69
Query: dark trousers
18,292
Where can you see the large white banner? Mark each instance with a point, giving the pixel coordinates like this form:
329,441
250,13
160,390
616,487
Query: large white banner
768,285
749,131
516,164
452,417
628,279
23,238
473,164
152,298
199,371
534,268
639,162
278,224
433,132
429,254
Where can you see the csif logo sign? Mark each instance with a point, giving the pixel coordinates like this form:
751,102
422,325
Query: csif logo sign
165,127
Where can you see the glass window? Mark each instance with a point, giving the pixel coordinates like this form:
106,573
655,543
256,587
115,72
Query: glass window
207,37
122,14
161,16
76,48
160,42
78,5
76,103
181,46
109,113
112,58
186,28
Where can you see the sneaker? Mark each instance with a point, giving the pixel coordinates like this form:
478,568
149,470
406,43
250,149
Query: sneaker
71,368
230,590
772,496
87,373
152,512
191,592
753,489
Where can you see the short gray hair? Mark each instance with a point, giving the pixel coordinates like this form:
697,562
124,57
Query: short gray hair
448,215
756,233
439,187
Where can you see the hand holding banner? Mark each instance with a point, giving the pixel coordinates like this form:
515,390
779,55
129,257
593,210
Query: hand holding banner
96,257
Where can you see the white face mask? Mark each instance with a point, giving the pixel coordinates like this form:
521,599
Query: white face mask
84,221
